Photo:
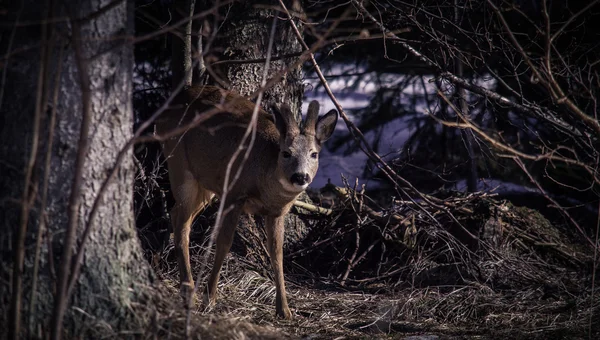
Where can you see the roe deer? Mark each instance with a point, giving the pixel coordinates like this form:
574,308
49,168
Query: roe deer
281,164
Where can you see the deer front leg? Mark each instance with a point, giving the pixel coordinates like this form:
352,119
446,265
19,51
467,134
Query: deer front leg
181,221
223,244
274,228
191,199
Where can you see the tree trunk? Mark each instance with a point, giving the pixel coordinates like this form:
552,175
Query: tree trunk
42,111
181,44
243,37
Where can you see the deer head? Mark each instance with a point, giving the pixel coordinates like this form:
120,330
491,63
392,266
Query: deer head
299,147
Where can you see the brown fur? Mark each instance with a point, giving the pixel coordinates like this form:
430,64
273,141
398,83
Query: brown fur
280,165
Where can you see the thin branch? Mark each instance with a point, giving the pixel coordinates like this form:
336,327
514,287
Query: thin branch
47,169
467,124
97,13
556,205
462,82
551,84
583,10
313,208
29,188
249,133
60,302
173,27
257,60
597,241
9,48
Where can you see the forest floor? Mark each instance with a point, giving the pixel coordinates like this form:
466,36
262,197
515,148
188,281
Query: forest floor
533,280
245,309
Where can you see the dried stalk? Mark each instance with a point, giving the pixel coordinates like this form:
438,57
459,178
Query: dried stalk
29,189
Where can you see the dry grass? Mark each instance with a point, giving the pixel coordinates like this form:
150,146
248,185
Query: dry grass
245,309
531,281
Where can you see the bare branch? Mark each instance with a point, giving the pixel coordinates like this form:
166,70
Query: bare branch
61,298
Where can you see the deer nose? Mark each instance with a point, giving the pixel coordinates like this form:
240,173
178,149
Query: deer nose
300,179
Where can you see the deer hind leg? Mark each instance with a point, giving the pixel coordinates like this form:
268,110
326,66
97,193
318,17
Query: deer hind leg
190,198
275,228
224,238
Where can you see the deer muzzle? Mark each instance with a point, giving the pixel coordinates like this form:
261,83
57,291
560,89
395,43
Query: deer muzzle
300,179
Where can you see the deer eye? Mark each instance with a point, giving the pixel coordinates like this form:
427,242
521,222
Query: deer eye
314,155
286,154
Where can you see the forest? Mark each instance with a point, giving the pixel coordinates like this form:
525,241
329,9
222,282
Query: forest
457,194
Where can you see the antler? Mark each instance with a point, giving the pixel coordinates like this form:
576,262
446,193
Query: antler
311,117
285,121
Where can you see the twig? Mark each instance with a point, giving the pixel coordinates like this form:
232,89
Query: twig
466,123
29,190
8,53
97,13
257,60
594,271
174,26
550,83
343,194
313,208
558,206
331,238
60,302
42,224
357,226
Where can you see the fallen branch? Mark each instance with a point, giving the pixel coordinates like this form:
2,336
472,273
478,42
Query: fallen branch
313,208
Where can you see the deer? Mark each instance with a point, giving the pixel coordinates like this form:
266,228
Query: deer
282,163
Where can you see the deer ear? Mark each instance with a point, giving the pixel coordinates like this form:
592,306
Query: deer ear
284,120
326,125
277,117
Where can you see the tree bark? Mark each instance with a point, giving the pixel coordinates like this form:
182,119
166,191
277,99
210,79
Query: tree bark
43,84
181,44
240,47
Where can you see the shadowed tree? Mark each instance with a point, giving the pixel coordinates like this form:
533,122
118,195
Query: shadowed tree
66,114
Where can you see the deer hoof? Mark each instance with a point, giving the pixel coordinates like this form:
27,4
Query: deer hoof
186,290
208,299
284,313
